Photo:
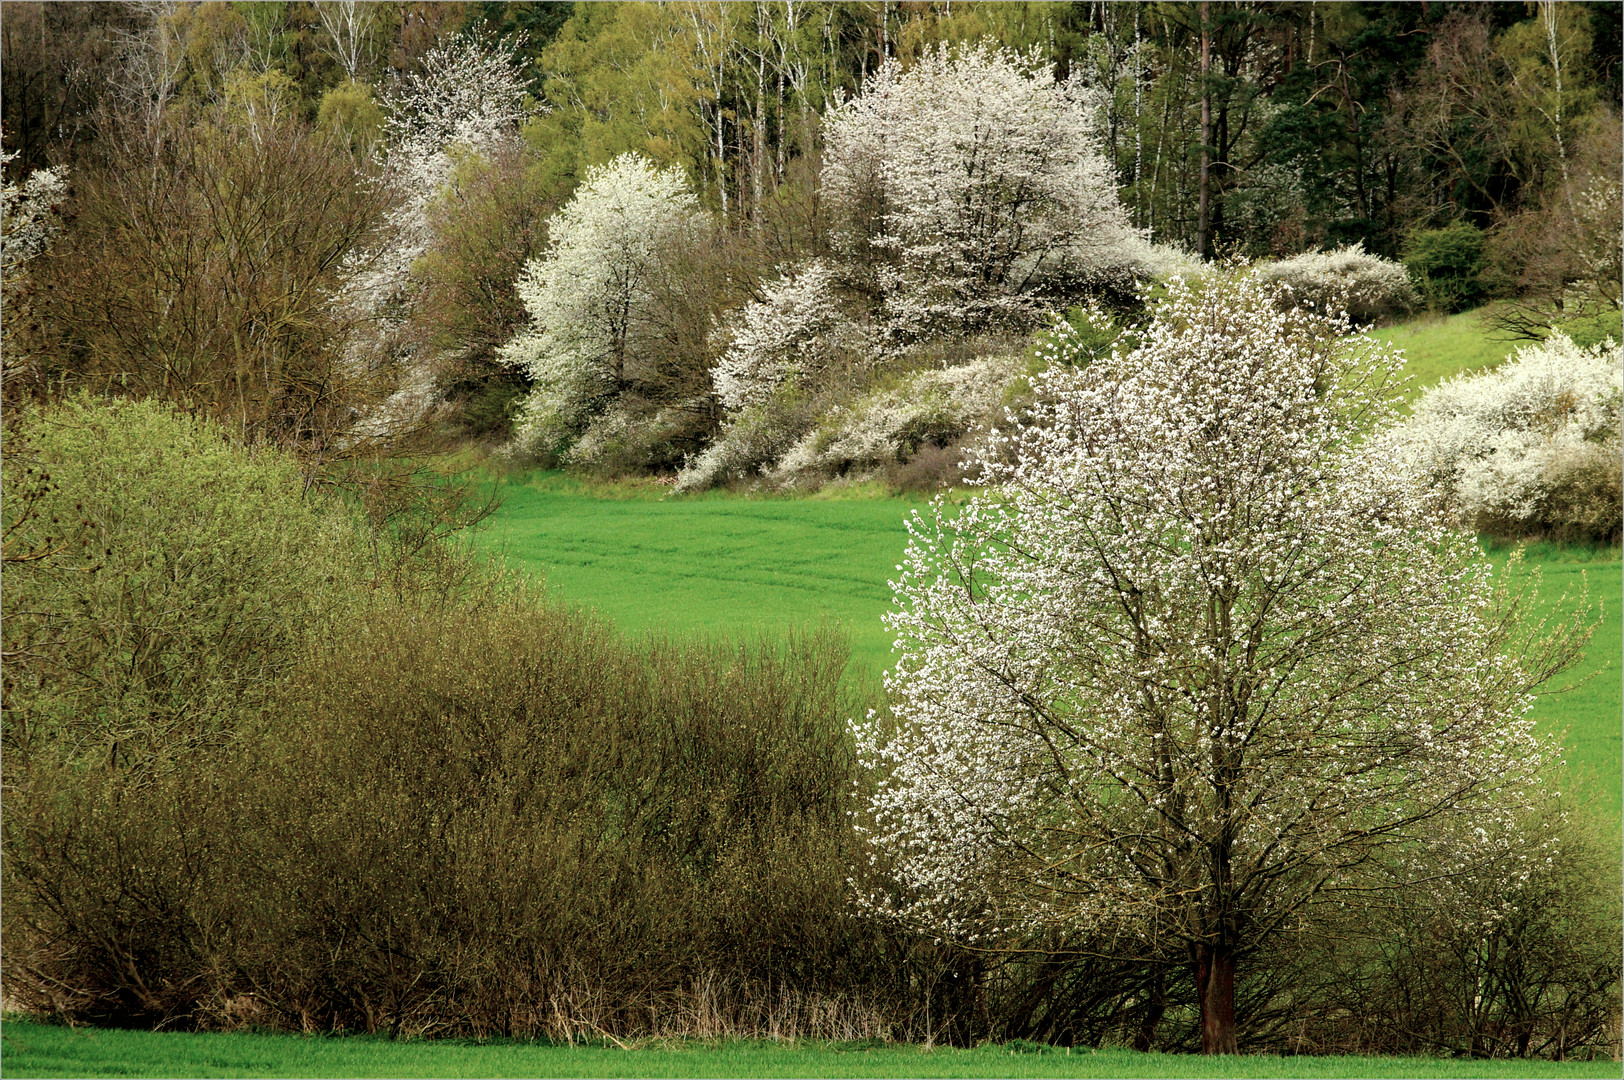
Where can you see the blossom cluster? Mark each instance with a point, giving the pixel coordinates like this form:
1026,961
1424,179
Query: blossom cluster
468,98
796,325
987,182
1368,287
933,406
28,215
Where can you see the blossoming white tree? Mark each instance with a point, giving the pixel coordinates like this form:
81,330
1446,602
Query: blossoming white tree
1198,658
469,97
588,296
28,215
30,219
978,176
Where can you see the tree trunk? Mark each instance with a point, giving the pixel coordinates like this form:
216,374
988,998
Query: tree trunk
1215,985
1206,137
1155,1008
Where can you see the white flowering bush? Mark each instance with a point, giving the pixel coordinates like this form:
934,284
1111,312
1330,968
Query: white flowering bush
751,442
588,297
469,98
1368,287
1530,447
1086,333
976,179
1198,657
30,220
28,215
795,328
886,427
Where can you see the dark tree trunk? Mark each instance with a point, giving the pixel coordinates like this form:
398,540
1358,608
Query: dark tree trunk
1202,199
1151,1019
1215,985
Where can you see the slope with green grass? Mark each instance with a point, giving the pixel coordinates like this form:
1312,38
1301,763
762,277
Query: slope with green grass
744,566
1438,347
38,1050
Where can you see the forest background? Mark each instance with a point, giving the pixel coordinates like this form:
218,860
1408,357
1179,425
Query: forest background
1480,139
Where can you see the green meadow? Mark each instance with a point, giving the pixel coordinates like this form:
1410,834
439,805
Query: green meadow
38,1050
1438,347
740,567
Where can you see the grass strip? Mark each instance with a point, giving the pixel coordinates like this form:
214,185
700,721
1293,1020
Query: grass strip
32,1049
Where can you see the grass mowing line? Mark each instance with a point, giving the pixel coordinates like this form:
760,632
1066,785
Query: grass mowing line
39,1050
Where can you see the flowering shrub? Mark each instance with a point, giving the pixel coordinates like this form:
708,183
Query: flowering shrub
1368,287
751,442
1531,447
887,427
1085,334
588,296
794,328
28,215
469,98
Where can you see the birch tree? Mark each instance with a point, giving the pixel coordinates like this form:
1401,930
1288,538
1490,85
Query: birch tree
1199,658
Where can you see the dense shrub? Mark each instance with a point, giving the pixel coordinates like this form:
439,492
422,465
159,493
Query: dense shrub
1369,288
1532,447
1445,265
927,409
497,821
158,581
428,809
200,269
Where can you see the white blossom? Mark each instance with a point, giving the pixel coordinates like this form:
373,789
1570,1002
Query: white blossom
888,425
1367,286
1496,443
28,215
1198,652
468,98
979,178
588,295
792,330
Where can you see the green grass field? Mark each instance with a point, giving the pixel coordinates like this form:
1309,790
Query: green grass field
1437,347
1440,346
36,1050
743,566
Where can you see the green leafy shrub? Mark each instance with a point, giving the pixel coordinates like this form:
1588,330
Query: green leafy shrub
158,580
1446,264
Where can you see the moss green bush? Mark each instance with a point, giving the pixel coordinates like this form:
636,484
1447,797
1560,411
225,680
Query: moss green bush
158,580
1446,266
